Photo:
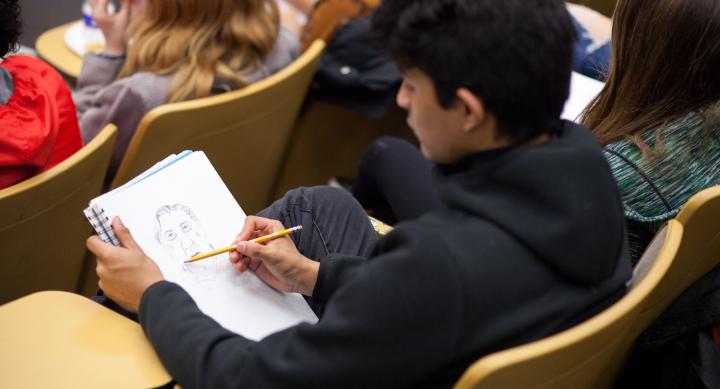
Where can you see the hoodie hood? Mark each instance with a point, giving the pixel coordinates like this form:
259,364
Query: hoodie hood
542,195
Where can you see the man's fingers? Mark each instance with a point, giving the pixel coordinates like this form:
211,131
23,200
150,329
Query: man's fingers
123,234
243,235
251,249
262,224
276,226
253,264
98,247
248,228
244,264
234,257
93,243
256,226
239,266
247,263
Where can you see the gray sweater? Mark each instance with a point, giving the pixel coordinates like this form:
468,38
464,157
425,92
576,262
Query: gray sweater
101,98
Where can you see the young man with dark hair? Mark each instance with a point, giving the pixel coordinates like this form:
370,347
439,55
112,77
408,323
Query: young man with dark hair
529,239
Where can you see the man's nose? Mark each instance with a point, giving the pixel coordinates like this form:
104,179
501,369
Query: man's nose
403,97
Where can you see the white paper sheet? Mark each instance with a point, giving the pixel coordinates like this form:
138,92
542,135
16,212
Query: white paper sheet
583,90
185,209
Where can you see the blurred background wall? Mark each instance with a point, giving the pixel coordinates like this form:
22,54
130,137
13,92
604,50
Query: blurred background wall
41,15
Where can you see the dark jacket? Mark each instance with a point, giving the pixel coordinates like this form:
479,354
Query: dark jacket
678,349
529,241
355,74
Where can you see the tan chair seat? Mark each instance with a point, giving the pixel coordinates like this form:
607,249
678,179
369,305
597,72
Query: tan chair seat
63,340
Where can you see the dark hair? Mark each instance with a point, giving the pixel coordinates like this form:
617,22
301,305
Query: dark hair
10,26
516,55
664,64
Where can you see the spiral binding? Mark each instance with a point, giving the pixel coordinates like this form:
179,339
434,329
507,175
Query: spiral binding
101,224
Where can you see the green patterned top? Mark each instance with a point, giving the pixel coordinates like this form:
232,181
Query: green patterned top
654,188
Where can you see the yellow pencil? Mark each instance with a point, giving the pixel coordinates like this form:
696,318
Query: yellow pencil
260,239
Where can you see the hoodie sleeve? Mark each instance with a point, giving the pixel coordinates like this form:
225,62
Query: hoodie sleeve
381,329
335,271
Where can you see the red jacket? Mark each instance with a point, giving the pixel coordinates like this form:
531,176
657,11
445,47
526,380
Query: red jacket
38,124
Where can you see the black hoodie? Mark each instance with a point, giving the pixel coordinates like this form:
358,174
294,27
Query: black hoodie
528,241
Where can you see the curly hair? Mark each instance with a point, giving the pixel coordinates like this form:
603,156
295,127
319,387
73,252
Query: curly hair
10,25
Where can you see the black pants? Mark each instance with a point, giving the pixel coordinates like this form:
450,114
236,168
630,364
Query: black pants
395,181
333,222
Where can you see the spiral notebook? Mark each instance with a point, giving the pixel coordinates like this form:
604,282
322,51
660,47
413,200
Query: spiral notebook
178,208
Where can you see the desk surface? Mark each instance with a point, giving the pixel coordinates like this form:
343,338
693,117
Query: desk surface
64,340
52,48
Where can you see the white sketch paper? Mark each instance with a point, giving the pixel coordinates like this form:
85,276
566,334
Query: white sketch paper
184,209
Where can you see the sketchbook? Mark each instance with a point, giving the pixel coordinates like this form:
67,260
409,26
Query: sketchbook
179,208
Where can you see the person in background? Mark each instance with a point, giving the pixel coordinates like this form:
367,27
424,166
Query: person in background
530,239
165,51
659,118
38,123
592,50
659,112
324,17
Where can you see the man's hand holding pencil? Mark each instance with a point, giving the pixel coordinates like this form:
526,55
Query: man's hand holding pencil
277,262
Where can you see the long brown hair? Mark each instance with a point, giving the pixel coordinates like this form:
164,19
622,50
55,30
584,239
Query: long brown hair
664,64
199,40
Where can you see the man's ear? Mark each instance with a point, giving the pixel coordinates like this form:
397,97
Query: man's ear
475,113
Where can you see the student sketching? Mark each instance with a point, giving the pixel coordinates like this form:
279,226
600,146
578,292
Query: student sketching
505,260
659,119
164,51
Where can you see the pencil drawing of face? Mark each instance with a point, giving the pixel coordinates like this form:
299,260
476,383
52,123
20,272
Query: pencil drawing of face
180,233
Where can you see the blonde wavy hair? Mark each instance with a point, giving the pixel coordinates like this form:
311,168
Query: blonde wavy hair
199,40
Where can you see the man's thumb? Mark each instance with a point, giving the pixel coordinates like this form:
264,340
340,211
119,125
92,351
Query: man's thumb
122,233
